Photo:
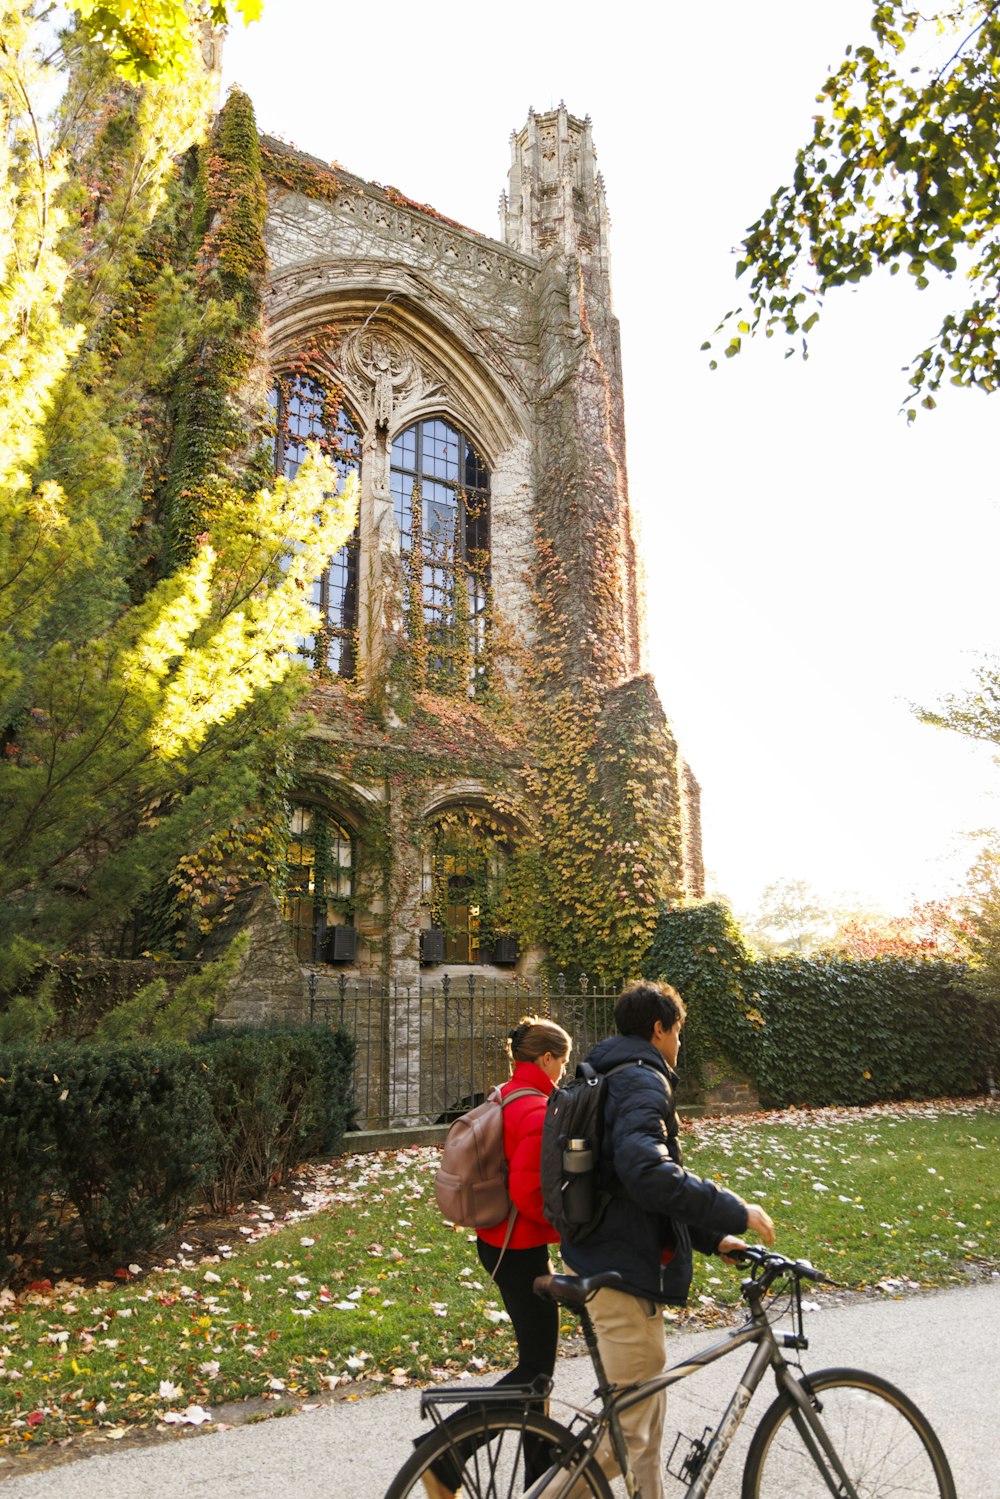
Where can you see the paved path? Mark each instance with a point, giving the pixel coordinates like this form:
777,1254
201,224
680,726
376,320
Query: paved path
942,1349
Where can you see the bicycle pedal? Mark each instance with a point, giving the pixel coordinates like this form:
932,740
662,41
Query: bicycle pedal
691,1459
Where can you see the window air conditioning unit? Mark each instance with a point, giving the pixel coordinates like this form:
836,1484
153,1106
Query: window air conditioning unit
432,944
505,948
341,944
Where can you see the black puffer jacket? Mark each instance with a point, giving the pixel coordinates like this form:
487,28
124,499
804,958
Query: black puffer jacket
656,1204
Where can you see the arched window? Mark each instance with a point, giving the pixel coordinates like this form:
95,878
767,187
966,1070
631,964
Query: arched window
319,884
305,411
465,884
441,493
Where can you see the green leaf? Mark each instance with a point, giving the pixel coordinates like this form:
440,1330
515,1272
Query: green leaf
899,169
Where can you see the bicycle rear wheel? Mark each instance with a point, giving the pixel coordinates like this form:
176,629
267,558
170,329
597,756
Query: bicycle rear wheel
491,1446
886,1445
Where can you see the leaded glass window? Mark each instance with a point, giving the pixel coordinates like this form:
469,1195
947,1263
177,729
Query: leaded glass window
441,495
305,411
463,881
319,880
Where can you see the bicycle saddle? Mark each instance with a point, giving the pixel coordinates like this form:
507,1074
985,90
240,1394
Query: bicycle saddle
575,1290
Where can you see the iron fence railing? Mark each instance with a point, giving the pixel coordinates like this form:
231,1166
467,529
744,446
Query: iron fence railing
427,1053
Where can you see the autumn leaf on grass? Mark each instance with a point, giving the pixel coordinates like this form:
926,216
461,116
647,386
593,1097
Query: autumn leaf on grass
194,1415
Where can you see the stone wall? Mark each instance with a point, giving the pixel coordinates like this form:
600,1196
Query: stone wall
269,984
693,858
87,988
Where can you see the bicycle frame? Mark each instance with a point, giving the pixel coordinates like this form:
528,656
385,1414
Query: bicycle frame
766,1355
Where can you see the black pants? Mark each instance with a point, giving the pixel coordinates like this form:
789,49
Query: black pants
536,1328
535,1322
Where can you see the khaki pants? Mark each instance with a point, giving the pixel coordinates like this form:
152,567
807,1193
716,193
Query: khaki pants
632,1342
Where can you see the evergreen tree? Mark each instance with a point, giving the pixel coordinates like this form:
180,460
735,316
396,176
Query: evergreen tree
151,589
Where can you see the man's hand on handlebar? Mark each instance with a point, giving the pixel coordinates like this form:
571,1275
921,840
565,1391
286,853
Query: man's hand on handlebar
758,1222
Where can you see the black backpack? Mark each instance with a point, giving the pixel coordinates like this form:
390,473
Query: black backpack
572,1193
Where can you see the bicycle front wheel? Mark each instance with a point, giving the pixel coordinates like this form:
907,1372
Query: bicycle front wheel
500,1452
885,1444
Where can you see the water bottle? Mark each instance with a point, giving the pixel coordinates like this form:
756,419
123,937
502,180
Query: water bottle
579,1194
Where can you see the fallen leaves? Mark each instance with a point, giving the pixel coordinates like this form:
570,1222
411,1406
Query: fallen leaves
375,1289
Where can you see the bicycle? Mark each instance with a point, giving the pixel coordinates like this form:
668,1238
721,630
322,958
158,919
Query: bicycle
839,1432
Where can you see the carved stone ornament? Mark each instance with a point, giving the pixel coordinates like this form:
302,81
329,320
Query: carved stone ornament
384,367
376,461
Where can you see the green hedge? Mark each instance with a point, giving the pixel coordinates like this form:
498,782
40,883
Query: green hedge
278,1096
842,1031
118,1140
112,1145
825,1031
29,1174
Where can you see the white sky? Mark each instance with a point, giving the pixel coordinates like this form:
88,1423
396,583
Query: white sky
813,564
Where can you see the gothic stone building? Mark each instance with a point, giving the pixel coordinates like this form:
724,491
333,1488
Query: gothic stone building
490,784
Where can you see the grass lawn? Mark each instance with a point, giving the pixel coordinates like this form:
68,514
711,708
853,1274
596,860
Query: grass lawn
374,1286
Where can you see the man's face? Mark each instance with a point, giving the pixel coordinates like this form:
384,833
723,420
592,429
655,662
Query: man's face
667,1042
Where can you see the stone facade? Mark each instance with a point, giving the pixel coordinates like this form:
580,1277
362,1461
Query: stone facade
269,985
513,344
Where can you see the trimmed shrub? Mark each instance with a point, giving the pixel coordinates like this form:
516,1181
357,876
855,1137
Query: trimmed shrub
824,1031
120,1141
278,1095
28,1174
134,1141
122,1134
843,1031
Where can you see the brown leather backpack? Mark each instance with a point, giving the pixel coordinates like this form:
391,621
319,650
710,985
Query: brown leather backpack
471,1183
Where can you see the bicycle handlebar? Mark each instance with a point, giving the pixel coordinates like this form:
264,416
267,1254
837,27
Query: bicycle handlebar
769,1265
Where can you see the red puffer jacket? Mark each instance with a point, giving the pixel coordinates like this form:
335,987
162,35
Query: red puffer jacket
522,1139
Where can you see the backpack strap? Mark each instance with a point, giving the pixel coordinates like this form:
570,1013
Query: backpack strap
586,1070
639,1062
506,1240
503,1101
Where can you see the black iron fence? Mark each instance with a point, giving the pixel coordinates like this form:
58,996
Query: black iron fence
428,1053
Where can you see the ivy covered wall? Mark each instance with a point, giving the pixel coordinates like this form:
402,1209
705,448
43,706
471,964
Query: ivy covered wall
546,745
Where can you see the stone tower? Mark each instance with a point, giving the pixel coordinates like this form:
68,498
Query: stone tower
555,195
555,211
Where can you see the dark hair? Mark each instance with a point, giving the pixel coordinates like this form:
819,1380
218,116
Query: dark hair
532,1038
638,1008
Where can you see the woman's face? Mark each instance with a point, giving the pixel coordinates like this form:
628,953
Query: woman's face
553,1066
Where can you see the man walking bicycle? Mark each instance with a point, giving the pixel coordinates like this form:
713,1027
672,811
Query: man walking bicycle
656,1214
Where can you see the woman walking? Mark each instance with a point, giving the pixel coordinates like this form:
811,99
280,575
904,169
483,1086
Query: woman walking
539,1051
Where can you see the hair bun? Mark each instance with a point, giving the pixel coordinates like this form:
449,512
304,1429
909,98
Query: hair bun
518,1033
